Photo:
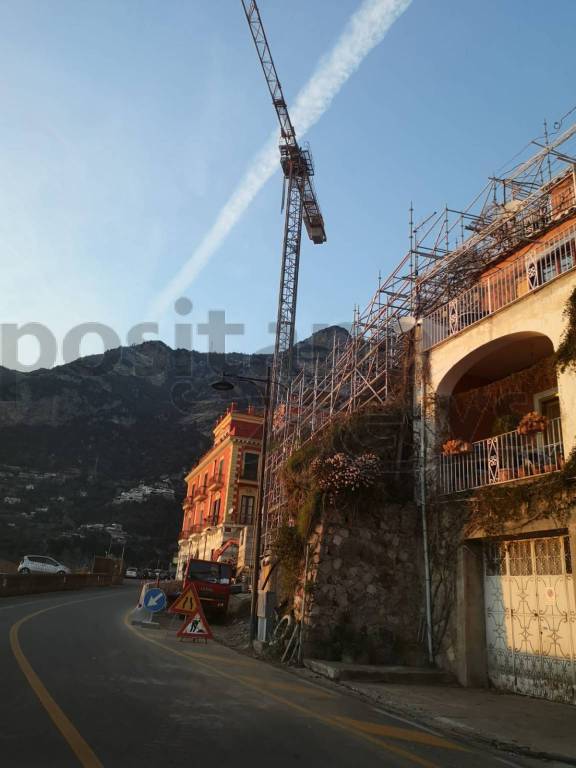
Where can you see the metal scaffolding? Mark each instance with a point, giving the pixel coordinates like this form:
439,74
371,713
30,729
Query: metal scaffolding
448,251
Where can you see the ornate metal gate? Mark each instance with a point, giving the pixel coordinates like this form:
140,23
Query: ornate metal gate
531,617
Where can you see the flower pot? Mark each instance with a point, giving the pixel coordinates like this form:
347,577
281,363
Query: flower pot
504,473
549,468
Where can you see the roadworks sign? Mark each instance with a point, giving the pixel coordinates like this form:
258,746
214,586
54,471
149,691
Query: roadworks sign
195,626
188,602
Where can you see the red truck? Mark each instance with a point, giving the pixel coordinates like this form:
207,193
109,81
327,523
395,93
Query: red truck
212,581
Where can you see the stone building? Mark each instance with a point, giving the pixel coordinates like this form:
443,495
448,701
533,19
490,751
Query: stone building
222,494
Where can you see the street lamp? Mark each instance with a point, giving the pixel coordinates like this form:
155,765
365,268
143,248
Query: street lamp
226,385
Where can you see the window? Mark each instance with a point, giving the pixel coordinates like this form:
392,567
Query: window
221,469
215,511
250,469
246,516
495,559
549,265
520,556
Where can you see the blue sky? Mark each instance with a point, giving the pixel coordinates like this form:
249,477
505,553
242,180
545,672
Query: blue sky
126,124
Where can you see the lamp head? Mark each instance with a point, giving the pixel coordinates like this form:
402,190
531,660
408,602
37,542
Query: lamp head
223,385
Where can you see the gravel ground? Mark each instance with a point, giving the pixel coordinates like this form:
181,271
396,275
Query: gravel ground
234,632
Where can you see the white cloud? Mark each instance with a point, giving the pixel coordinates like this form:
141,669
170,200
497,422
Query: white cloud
364,30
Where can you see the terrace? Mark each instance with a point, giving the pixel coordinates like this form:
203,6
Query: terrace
499,287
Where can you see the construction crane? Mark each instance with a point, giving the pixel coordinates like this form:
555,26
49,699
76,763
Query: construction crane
300,201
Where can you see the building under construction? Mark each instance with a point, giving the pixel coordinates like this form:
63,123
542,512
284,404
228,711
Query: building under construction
435,287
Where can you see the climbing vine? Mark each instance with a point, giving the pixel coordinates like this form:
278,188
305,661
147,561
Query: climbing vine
496,507
566,352
356,464
358,459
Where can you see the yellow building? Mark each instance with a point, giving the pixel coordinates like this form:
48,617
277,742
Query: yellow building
221,502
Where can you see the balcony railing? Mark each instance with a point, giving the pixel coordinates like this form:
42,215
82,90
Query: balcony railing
186,532
215,482
502,458
543,262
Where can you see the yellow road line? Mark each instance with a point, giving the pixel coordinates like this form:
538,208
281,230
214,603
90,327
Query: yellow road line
222,659
311,690
75,741
327,720
403,734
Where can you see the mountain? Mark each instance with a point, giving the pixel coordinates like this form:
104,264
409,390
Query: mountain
109,438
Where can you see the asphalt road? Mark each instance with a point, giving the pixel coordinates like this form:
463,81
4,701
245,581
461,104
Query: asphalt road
80,686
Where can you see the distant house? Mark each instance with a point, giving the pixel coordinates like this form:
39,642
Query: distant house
222,494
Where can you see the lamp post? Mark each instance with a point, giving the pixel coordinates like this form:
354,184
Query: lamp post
225,385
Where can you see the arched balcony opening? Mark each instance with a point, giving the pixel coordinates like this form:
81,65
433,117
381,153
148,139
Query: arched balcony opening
499,414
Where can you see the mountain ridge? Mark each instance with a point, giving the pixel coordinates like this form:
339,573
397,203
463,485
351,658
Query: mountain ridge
101,426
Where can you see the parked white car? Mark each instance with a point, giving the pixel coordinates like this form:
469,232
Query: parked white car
131,573
41,564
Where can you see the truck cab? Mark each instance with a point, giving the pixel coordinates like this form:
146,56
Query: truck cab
212,581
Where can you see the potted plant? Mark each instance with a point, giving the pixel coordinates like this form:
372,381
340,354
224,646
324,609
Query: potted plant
455,446
531,423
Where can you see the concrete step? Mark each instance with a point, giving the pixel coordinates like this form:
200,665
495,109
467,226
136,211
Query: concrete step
339,670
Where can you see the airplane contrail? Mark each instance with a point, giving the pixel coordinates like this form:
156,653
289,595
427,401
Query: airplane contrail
364,30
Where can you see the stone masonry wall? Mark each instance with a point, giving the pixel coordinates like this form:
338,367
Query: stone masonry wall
364,596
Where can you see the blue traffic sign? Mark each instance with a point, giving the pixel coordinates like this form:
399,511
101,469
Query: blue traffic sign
155,600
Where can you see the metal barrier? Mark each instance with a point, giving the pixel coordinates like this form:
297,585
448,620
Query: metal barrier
499,459
544,262
18,584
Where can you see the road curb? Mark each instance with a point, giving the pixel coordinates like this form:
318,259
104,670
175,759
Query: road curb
421,717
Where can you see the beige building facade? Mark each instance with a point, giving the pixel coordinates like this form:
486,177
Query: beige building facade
500,426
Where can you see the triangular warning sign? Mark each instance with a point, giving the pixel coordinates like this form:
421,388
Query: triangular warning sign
196,628
188,602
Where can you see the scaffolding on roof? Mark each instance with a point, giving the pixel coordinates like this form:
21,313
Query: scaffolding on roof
447,252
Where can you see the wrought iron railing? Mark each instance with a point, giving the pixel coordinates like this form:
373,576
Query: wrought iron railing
499,459
541,264
191,529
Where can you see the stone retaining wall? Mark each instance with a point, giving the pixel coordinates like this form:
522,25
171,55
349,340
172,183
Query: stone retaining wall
365,600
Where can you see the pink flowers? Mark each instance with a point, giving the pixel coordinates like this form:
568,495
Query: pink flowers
342,473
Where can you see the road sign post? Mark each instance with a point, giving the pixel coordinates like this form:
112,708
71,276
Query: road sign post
154,601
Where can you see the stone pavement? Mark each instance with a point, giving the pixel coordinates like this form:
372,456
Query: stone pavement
520,724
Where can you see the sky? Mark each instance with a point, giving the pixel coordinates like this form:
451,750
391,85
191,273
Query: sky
127,125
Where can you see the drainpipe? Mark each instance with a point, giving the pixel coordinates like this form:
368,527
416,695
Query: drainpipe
422,468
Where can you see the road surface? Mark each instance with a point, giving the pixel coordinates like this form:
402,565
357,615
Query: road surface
81,686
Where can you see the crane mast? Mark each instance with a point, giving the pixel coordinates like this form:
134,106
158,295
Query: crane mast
301,205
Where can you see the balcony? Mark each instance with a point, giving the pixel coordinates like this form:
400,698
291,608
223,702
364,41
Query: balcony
215,482
502,458
190,530
541,264
200,493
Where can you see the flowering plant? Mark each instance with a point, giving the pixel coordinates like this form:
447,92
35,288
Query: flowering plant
532,422
342,473
456,445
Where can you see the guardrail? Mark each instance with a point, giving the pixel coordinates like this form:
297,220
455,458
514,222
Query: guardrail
17,584
502,458
542,264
